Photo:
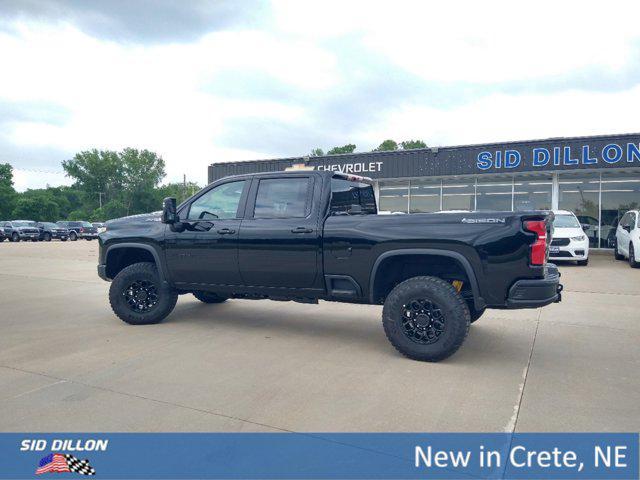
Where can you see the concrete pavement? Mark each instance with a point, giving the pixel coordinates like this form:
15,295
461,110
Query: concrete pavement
68,364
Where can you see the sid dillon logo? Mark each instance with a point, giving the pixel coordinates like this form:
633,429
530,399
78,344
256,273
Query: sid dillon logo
61,463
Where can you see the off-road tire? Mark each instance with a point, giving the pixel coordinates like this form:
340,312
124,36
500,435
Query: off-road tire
616,254
632,257
73,236
452,306
15,237
47,237
209,297
143,271
583,263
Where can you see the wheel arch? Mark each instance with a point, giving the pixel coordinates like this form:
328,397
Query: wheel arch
456,257
121,255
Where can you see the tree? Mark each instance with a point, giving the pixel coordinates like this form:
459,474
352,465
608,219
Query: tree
413,144
349,148
317,152
7,192
387,146
176,190
97,174
38,206
123,182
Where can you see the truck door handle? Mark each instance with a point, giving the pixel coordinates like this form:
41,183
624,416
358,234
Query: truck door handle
301,230
226,231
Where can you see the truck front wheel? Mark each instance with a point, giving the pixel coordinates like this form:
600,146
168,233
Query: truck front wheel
138,297
208,297
425,319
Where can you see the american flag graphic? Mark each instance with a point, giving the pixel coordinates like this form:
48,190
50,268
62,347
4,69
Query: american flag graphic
58,462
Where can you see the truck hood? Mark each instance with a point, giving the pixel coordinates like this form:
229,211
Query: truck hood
134,220
567,232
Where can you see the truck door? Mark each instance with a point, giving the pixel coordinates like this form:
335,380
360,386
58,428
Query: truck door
206,252
279,238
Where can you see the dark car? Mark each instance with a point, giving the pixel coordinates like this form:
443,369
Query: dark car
79,229
311,235
16,230
2,235
50,231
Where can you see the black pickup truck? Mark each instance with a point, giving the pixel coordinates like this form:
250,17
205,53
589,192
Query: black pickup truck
308,235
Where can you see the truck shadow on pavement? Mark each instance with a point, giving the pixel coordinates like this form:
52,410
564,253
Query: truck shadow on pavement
359,327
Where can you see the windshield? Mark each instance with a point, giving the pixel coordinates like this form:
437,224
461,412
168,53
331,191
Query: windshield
24,224
566,221
86,224
50,225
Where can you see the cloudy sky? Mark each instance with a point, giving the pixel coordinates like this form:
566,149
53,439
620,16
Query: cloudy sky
202,82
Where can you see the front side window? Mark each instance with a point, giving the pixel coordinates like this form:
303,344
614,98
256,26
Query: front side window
345,194
220,202
282,198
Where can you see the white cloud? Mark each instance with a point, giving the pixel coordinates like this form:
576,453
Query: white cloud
159,96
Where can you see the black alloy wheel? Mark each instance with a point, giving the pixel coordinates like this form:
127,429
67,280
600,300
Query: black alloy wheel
141,296
422,321
47,237
15,237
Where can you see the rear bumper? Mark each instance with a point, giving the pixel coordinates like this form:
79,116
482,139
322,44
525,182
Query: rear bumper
536,293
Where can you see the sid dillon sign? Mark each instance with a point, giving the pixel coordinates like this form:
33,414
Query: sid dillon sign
560,156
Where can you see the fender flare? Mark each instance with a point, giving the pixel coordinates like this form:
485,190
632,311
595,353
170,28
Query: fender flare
478,301
143,246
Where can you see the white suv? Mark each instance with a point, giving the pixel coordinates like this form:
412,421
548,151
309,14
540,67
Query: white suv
569,241
628,238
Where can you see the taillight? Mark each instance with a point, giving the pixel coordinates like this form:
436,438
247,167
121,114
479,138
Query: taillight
81,230
539,247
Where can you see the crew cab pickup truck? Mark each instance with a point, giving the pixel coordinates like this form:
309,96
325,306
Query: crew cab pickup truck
312,235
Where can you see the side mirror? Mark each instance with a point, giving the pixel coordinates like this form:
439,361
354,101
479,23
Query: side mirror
169,214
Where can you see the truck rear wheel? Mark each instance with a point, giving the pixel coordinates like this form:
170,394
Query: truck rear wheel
425,319
208,297
138,297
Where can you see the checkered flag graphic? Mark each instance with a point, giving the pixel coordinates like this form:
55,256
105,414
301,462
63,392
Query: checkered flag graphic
79,466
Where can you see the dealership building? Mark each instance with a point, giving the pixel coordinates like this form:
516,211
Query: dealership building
596,177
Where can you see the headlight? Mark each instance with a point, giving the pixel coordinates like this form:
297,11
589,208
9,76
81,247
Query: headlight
578,239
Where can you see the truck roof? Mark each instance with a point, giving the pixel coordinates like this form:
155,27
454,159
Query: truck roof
294,171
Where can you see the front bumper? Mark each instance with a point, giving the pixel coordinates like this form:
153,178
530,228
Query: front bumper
573,251
29,236
88,235
534,293
102,272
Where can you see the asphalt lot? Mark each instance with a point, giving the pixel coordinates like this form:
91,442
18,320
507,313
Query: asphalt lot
68,364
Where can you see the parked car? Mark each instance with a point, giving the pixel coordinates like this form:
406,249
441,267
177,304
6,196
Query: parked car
50,231
628,238
79,229
2,235
569,241
101,226
17,230
306,236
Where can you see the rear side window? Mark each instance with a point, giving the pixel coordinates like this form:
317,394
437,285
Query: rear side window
75,224
283,198
345,193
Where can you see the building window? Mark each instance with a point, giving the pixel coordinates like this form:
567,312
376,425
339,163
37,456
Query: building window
458,194
580,194
620,193
532,192
494,193
394,196
425,196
